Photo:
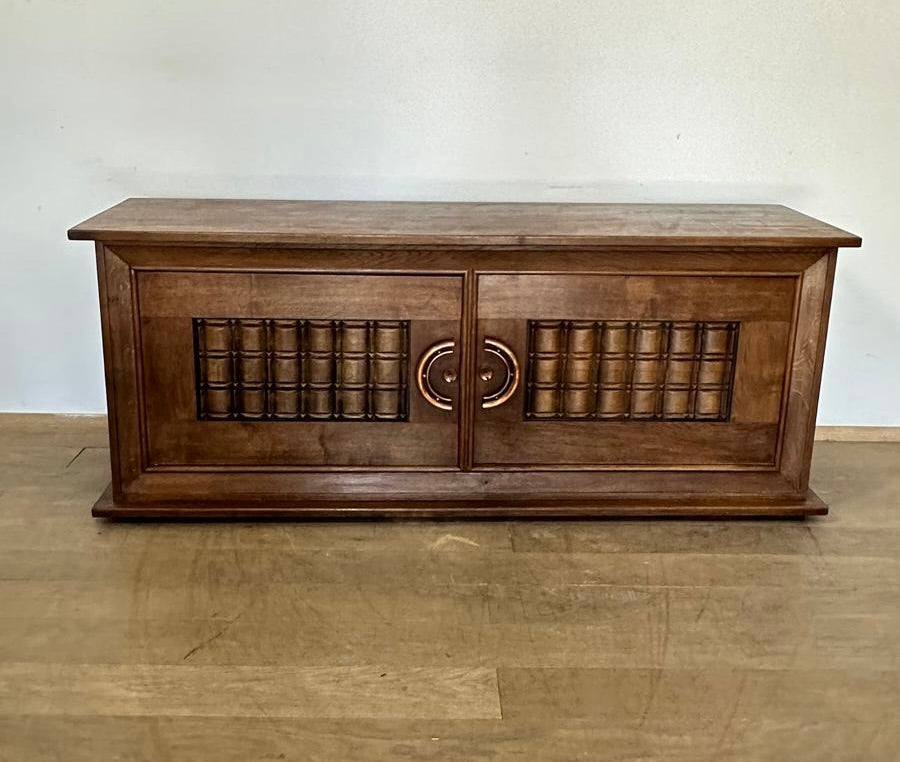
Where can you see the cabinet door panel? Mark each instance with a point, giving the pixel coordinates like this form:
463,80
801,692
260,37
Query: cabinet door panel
640,370
293,370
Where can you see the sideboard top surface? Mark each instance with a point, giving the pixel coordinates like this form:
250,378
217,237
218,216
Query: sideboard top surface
396,223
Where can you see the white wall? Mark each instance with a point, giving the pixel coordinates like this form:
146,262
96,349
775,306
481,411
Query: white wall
766,101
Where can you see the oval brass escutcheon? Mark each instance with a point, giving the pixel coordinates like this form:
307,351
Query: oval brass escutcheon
423,374
510,383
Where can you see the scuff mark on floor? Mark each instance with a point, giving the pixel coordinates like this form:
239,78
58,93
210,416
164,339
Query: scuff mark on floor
447,539
212,638
75,457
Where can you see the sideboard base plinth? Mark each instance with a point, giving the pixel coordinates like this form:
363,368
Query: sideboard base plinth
608,507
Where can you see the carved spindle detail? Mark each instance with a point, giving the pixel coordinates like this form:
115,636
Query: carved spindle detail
282,369
630,370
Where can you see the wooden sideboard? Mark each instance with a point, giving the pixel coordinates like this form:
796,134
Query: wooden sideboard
318,358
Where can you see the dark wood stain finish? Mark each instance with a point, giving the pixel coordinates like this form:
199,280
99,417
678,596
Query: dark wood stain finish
282,358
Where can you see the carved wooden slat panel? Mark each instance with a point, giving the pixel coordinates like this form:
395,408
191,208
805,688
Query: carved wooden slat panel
274,369
623,370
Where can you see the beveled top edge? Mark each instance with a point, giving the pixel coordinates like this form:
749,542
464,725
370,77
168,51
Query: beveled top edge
416,223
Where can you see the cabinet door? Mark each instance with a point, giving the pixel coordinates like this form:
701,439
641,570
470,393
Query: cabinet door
297,370
638,370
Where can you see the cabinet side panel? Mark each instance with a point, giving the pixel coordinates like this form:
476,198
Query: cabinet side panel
117,303
806,370
108,374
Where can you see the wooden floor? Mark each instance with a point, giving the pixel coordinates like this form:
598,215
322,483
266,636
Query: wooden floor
753,640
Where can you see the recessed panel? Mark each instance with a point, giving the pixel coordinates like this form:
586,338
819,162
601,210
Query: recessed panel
637,370
293,370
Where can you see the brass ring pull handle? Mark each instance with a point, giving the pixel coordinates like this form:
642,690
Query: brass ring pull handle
423,374
510,383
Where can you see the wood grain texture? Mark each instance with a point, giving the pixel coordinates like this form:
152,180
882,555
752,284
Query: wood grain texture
410,223
187,739
671,699
609,258
248,691
546,641
323,297
681,443
635,297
